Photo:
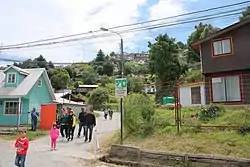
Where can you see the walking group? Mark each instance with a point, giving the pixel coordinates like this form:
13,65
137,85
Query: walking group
108,112
68,121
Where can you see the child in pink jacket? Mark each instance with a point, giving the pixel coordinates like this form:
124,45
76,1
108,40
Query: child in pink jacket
54,134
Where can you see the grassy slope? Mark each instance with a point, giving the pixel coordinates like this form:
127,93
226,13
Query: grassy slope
224,143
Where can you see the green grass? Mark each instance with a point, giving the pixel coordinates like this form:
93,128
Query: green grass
30,134
193,140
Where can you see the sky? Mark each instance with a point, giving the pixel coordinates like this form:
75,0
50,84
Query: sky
29,20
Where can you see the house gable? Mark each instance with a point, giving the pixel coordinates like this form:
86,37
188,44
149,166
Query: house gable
40,93
14,76
234,47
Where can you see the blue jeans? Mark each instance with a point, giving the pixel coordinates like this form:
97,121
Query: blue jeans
20,160
33,124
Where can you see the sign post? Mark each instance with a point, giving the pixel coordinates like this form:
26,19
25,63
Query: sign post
121,92
121,87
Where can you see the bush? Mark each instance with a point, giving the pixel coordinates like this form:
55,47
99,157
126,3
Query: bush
98,98
139,113
211,112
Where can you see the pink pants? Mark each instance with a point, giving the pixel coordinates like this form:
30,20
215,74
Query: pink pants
53,142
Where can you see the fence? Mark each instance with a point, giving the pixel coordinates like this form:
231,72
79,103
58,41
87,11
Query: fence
232,91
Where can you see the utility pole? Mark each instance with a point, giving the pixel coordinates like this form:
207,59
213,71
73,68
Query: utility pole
122,75
121,100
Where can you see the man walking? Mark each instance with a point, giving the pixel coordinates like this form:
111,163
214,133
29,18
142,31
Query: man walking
90,124
34,117
64,125
82,122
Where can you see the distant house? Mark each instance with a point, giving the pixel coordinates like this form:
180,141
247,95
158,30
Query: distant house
65,103
85,88
21,90
225,59
150,88
192,94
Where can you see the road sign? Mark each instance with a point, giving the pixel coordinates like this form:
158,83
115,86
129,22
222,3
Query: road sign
121,87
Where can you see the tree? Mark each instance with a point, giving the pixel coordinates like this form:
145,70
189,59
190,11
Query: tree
201,31
39,62
245,14
164,63
139,112
60,78
98,98
102,65
135,85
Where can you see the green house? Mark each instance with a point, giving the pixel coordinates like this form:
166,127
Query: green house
21,90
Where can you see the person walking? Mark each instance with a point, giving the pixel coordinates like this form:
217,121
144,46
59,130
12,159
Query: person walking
105,113
64,125
82,122
54,134
21,145
72,125
34,117
90,124
110,112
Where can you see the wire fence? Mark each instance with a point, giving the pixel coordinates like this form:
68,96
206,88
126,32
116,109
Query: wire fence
221,102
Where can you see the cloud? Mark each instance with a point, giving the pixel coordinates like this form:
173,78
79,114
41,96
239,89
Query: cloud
32,20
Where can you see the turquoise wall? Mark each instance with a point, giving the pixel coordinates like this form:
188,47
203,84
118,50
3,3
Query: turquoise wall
39,95
12,119
19,78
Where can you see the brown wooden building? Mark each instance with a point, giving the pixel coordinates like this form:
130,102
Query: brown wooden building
225,58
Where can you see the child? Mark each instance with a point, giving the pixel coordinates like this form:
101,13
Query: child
54,134
21,145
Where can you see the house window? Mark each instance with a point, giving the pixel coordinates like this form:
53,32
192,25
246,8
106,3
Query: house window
11,78
196,95
222,47
11,107
226,89
39,82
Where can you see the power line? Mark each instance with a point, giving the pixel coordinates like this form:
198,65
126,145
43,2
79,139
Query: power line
133,24
143,28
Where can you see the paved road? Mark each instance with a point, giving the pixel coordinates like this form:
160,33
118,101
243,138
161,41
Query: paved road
75,153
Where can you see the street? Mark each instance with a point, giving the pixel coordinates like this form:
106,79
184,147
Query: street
75,153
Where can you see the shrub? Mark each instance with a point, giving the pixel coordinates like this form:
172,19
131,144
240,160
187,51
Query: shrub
139,113
98,97
210,112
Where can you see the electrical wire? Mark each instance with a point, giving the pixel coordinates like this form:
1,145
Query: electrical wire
143,28
133,24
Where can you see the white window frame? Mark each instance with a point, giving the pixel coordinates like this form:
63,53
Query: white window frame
39,82
221,44
17,107
8,76
224,80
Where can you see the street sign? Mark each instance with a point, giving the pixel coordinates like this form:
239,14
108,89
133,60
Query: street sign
121,87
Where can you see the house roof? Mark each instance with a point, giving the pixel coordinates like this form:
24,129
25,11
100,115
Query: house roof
25,86
66,101
88,86
221,32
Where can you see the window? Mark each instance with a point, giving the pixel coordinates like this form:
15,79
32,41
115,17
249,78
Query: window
222,47
226,89
196,95
39,82
11,107
11,78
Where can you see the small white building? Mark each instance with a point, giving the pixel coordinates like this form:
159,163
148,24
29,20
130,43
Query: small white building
150,88
192,94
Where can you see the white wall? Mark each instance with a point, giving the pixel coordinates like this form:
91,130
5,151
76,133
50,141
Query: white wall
185,96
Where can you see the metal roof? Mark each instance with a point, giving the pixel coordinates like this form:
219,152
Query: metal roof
25,86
